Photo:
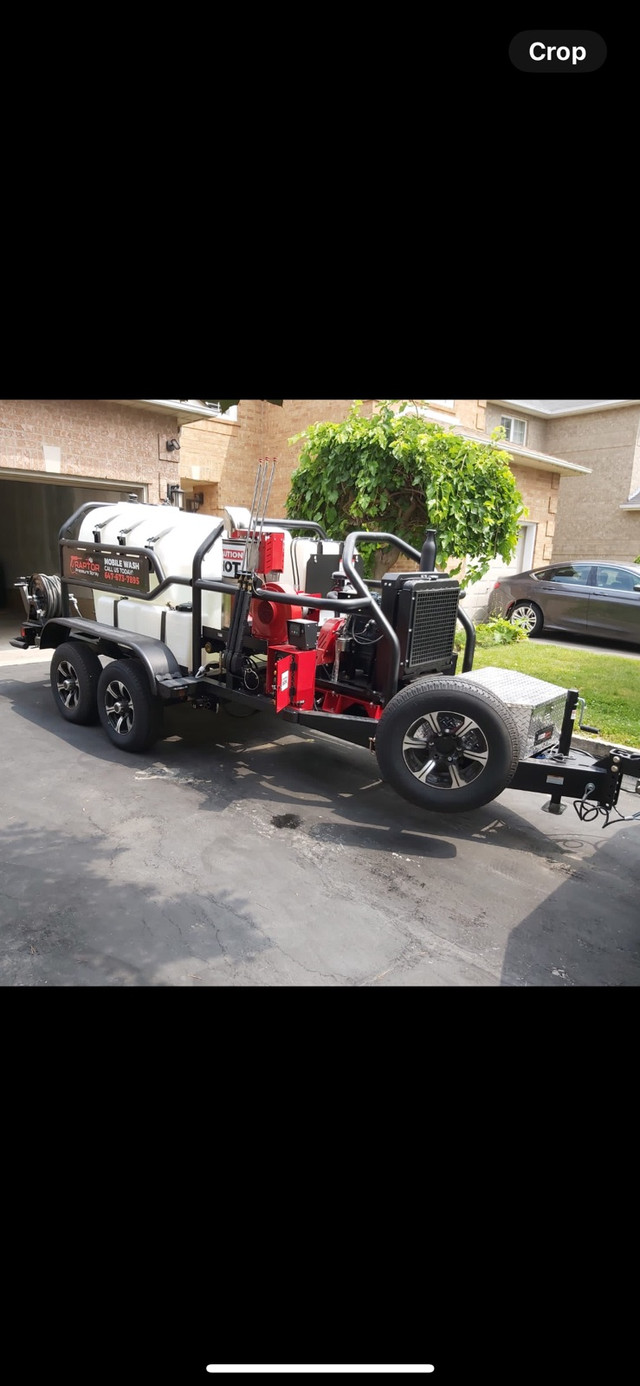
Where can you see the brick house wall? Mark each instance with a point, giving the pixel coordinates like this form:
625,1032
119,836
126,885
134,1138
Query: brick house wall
294,417
590,523
539,491
471,413
218,457
536,433
94,439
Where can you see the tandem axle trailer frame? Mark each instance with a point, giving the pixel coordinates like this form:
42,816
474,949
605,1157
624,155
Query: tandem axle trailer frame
560,770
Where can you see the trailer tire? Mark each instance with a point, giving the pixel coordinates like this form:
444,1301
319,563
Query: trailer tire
75,674
446,746
128,710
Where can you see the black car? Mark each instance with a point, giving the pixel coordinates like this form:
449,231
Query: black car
588,597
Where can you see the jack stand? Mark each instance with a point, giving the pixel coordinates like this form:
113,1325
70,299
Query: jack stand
555,804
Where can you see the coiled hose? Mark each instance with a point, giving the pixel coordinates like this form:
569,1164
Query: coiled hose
46,594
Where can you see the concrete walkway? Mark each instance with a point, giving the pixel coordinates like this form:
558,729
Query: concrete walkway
573,642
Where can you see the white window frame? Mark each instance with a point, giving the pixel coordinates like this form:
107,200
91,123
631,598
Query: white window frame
444,403
506,420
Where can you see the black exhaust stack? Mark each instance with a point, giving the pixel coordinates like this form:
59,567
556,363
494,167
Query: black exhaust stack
429,550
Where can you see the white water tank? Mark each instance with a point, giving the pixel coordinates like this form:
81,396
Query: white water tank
174,536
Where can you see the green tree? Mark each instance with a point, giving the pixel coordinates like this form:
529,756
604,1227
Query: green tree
398,473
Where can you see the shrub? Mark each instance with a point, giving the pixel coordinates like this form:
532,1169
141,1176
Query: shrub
496,632
397,473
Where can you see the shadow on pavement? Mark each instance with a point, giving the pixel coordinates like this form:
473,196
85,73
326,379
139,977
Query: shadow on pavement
66,921
311,872
230,759
587,933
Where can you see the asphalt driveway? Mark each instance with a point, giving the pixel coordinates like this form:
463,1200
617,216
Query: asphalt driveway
240,853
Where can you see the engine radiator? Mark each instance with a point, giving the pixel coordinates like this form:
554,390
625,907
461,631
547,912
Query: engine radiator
423,609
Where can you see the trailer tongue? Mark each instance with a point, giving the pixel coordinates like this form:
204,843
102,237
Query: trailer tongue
253,612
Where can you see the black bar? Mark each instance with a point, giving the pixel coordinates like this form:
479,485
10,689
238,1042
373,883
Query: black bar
172,581
82,510
299,524
345,604
376,537
229,585
196,576
140,551
470,645
237,695
533,775
359,730
64,587
629,765
350,690
564,744
238,621
381,621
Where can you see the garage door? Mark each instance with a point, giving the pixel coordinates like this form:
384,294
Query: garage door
475,602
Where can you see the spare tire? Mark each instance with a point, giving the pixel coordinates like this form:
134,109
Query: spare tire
447,746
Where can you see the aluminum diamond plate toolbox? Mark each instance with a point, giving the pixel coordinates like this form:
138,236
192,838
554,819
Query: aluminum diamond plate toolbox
537,707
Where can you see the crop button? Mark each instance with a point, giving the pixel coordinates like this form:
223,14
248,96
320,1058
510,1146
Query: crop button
557,50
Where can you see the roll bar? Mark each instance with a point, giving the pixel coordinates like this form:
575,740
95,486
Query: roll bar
366,600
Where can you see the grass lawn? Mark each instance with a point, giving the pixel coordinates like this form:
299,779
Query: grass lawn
610,683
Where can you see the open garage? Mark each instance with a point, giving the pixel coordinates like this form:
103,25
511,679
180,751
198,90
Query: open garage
31,513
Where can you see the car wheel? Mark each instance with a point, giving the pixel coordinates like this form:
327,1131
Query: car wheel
528,616
75,672
446,746
128,711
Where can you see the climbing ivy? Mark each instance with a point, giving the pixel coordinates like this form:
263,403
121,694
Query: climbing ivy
399,473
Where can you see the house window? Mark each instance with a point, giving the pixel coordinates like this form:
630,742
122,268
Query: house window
516,429
446,403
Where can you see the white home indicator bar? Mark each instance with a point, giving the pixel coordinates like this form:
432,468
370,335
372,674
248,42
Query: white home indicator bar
389,1370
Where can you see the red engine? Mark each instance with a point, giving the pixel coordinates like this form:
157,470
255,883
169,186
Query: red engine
340,657
269,619
330,652
326,647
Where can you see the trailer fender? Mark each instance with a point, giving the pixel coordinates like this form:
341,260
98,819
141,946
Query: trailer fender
158,661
